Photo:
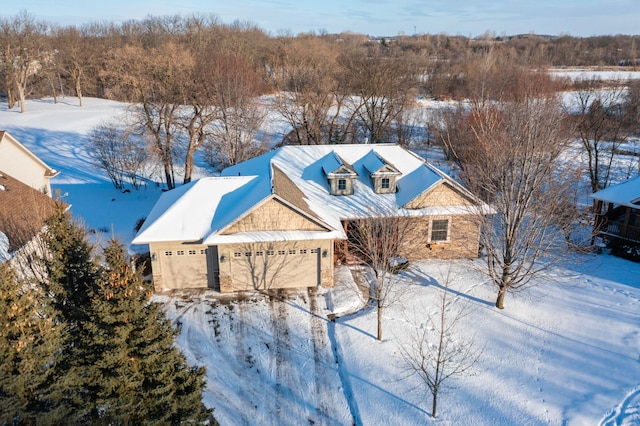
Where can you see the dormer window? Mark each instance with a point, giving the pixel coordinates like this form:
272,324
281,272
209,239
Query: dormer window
340,175
383,174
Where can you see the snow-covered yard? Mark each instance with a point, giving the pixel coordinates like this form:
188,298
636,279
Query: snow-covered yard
562,352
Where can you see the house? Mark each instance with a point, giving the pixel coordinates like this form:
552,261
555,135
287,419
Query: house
282,219
20,163
617,211
25,198
23,213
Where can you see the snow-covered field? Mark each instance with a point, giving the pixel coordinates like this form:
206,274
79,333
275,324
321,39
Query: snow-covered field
576,74
565,351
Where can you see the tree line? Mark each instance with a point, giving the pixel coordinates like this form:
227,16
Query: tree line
81,343
195,84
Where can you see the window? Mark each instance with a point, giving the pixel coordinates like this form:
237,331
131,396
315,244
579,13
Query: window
192,252
292,252
203,251
303,251
439,230
384,183
168,253
281,252
259,253
248,254
237,254
314,250
180,252
342,184
270,252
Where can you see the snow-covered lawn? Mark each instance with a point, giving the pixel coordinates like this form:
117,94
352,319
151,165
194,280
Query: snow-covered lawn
565,352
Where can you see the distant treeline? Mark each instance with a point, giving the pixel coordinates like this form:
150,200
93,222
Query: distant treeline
41,59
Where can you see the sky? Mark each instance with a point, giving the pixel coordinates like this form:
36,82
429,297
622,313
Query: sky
374,17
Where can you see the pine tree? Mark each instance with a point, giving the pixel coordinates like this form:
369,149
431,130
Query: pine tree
84,345
71,273
30,339
143,377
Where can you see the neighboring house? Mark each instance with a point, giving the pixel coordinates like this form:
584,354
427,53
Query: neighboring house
17,161
282,219
23,213
617,211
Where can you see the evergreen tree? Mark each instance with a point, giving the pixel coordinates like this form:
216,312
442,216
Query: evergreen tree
143,377
71,273
84,345
30,391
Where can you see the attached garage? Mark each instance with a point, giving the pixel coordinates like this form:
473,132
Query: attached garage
279,264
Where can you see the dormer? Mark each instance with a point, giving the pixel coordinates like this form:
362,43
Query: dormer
382,173
340,175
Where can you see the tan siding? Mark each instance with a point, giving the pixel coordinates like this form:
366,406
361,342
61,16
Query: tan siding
333,183
377,184
282,269
462,242
441,195
17,163
273,216
178,271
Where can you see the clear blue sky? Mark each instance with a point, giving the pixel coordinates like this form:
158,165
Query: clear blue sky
374,17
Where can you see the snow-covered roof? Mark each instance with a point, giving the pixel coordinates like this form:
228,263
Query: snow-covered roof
625,194
306,166
296,175
376,165
332,164
194,211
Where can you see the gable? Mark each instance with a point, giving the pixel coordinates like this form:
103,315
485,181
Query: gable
443,194
386,170
273,215
343,170
17,161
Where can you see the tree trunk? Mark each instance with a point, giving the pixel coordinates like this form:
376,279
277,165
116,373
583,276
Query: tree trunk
169,177
434,404
502,292
79,90
379,322
21,95
188,166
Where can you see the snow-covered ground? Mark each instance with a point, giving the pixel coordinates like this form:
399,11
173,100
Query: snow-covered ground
565,351
576,74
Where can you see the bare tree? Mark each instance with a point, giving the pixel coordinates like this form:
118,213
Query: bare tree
632,107
200,109
509,152
381,83
234,87
121,154
75,55
517,170
439,356
155,79
600,128
379,241
312,94
21,53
